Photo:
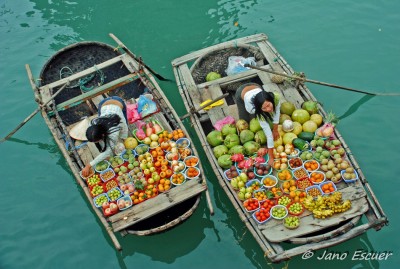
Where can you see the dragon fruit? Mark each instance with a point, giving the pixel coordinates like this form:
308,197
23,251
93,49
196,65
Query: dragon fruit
259,159
262,152
237,157
140,134
248,163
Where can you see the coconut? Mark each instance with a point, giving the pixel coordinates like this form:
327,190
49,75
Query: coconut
245,136
251,147
220,150
236,149
310,106
260,137
225,161
255,125
231,140
242,125
214,138
287,108
228,129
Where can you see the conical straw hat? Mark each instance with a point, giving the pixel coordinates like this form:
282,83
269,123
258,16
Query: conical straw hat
78,132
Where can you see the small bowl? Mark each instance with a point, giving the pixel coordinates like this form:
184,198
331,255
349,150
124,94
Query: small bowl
114,190
254,215
226,175
269,177
248,200
289,172
192,177
183,167
116,159
255,193
184,152
172,156
284,200
294,166
105,164
278,206
291,227
349,180
254,182
295,154
327,183
303,183
295,214
306,163
314,191
141,149
177,175
97,200
127,201
190,163
261,176
182,143
300,172
319,173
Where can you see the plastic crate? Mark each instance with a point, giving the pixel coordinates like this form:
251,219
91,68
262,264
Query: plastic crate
96,200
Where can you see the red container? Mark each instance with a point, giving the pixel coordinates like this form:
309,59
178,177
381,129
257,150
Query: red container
100,184
303,183
112,183
111,213
295,214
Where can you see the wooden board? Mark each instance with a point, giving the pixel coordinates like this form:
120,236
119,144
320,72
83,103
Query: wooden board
155,205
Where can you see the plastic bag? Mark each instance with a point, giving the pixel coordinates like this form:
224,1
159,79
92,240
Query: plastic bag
236,64
146,106
132,113
227,120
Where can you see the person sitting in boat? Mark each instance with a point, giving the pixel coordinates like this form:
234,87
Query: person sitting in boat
253,101
108,130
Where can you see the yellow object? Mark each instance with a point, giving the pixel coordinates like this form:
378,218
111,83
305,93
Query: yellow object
218,103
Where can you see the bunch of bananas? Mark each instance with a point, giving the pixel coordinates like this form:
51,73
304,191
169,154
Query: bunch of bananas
326,206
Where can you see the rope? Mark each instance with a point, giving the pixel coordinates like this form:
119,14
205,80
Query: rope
66,72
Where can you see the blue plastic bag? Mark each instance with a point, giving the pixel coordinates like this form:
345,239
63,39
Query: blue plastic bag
146,106
236,64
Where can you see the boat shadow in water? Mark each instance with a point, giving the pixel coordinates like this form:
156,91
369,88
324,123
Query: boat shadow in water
353,108
168,246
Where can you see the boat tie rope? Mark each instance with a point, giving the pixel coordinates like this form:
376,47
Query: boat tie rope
66,72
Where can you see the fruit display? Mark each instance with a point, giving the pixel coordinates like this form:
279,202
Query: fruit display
178,178
251,204
278,212
192,172
109,208
101,166
261,215
93,180
332,168
306,155
127,188
291,222
254,184
184,152
110,184
284,174
191,161
231,173
295,163
141,149
349,175
300,172
182,143
328,187
295,208
326,206
260,195
164,185
274,192
124,202
116,161
303,183
311,165
288,186
107,174
314,191
262,169
96,190
268,204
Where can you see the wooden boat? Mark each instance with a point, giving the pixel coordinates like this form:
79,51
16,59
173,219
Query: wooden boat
113,73
190,74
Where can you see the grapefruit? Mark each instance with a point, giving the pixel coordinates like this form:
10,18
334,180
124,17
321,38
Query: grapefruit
301,116
287,108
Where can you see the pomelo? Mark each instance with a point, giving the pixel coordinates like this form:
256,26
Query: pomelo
310,126
317,118
287,108
300,115
297,128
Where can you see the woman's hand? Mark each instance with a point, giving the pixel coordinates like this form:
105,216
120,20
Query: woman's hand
86,170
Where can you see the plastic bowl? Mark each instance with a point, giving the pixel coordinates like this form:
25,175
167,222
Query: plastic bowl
114,191
257,193
281,174
103,163
307,163
191,169
291,227
314,191
303,183
191,161
295,154
172,156
97,200
254,215
226,174
327,192
293,167
319,173
141,149
266,178
252,200
107,174
181,166
292,213
182,143
254,183
349,180
300,172
124,202
261,176
278,207
178,179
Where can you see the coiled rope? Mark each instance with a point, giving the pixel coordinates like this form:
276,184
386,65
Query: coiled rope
66,72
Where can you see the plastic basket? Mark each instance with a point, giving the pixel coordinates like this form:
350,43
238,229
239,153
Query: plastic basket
253,183
304,183
317,172
316,193
300,172
112,183
107,174
349,180
97,200
127,202
293,167
254,215
278,206
291,227
106,165
326,183
226,174
114,190
182,143
251,199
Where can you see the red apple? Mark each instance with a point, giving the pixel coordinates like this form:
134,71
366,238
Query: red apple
107,211
105,205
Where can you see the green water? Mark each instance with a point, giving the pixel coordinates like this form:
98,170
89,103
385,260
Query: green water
45,221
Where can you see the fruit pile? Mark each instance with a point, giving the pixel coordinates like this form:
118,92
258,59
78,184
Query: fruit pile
279,212
262,215
326,206
295,208
251,204
291,222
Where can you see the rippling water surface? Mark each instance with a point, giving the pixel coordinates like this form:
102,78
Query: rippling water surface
46,221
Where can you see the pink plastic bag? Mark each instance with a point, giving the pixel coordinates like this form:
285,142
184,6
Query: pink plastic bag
227,120
132,113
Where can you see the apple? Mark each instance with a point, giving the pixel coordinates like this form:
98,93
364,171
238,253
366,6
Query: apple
150,180
146,171
113,207
152,169
107,211
105,205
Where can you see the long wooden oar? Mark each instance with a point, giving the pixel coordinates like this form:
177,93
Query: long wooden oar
205,105
33,113
322,83
120,44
